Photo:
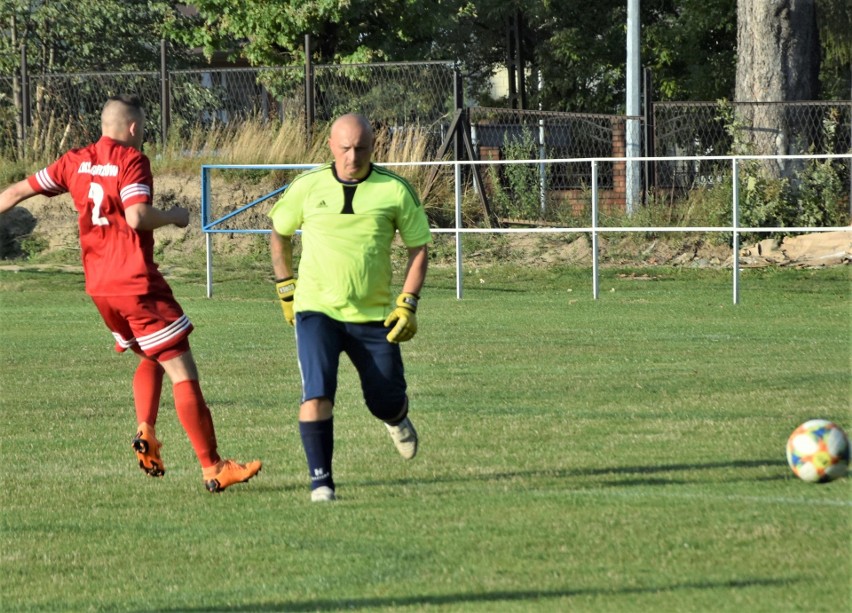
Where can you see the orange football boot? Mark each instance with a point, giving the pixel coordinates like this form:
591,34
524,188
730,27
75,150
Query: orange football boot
147,449
227,473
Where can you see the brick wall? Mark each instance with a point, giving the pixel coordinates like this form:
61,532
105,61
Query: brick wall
609,200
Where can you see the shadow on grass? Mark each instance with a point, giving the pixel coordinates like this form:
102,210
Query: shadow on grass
492,597
565,473
474,286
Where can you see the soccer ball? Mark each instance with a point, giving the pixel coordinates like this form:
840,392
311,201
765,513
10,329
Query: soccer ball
818,451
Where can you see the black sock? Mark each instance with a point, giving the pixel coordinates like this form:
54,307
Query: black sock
318,442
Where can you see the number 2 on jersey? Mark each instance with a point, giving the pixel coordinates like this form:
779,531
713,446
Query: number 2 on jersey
96,195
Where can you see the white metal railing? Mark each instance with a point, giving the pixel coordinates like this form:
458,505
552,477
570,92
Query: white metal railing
213,226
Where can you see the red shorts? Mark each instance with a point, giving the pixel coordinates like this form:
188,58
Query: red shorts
146,324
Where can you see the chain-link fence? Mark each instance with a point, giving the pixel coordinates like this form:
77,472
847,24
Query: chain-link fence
391,94
233,95
707,128
65,108
64,112
9,117
550,190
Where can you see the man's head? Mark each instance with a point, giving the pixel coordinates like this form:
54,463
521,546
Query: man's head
351,144
123,120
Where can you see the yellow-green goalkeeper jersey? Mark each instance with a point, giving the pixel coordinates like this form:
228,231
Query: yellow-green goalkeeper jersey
347,233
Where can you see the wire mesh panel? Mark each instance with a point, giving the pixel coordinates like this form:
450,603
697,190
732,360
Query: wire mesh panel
553,189
391,93
66,108
769,128
8,118
224,96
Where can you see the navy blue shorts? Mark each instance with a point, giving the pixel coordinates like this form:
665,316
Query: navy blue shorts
319,342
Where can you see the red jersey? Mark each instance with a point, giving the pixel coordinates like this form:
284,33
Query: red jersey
104,179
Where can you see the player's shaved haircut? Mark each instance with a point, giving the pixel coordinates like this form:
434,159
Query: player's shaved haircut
120,111
123,120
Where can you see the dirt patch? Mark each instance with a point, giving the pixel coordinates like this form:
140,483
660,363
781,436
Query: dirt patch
43,225
806,250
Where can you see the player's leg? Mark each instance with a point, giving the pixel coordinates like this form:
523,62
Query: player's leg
147,388
162,332
379,364
197,421
318,343
147,383
192,410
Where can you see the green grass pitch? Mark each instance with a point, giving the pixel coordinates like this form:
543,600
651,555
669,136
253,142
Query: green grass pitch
624,454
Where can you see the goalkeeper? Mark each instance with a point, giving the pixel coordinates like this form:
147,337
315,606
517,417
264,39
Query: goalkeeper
349,211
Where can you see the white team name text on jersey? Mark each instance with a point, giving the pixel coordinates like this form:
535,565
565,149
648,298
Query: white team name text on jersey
100,170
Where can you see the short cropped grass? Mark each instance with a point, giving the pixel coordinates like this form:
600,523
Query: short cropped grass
625,454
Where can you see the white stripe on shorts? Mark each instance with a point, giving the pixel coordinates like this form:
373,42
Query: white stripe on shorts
161,337
124,344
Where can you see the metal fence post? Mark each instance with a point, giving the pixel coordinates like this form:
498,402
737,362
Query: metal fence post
205,219
165,107
458,98
650,178
309,91
595,271
735,215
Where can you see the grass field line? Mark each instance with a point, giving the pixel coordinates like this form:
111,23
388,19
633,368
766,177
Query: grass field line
700,496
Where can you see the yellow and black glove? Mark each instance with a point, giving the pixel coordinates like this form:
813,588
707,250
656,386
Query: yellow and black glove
402,319
286,288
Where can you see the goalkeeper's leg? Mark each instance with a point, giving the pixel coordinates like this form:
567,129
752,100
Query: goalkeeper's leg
403,434
316,429
379,364
319,341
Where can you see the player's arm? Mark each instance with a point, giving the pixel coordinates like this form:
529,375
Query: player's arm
15,194
143,216
415,272
403,319
281,250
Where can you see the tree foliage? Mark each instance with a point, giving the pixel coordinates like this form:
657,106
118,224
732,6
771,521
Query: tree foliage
272,32
834,20
94,35
575,50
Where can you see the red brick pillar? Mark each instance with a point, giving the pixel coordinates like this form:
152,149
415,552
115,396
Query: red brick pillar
619,169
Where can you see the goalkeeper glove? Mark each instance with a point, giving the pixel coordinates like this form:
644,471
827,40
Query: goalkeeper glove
286,288
402,319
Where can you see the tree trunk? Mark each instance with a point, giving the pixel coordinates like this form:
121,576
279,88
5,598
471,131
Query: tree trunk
778,61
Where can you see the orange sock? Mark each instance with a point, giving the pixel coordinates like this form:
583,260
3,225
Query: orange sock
195,417
147,385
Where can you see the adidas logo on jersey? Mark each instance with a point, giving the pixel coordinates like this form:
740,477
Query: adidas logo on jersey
322,205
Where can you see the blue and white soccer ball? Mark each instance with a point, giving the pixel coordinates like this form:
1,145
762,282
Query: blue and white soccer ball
818,451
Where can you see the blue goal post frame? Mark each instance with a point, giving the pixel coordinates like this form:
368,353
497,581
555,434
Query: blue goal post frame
211,226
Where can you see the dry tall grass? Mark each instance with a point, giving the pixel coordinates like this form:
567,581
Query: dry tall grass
256,141
253,141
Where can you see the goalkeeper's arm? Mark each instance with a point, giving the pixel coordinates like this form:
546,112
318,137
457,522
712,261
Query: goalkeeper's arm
281,249
403,318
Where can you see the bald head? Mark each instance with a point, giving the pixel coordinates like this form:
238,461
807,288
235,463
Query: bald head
351,144
123,120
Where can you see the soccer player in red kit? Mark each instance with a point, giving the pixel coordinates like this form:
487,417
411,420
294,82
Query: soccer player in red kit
111,184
